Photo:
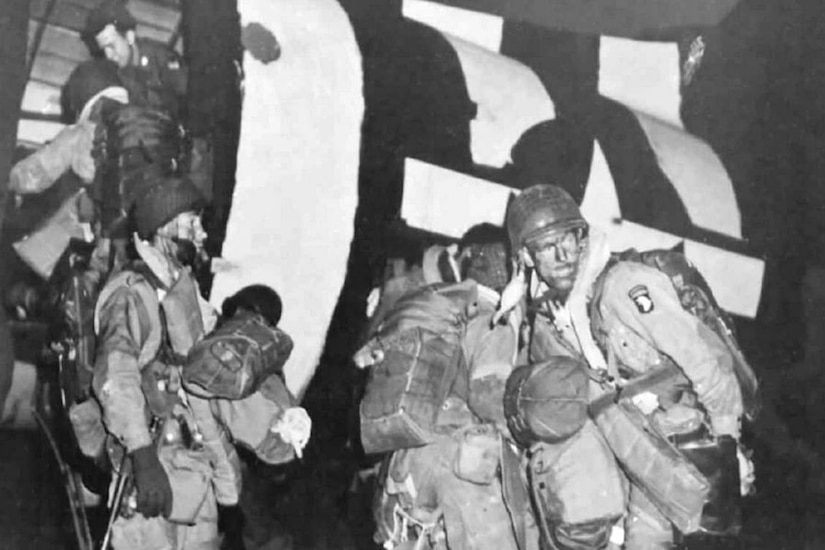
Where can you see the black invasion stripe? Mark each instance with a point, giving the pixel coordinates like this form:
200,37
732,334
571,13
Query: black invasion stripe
646,195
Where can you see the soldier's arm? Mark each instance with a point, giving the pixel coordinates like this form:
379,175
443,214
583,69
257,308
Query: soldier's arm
117,377
644,300
490,353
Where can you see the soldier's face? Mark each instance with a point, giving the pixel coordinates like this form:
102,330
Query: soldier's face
556,257
116,47
190,228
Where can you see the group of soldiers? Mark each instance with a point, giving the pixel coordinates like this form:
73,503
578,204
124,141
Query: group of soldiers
593,407
162,387
576,398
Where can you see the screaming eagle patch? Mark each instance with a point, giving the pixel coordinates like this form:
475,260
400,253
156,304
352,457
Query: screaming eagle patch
641,297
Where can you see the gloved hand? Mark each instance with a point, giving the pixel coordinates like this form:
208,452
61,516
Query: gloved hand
294,427
154,493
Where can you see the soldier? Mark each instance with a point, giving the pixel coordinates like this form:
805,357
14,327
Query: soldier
623,319
451,487
167,442
150,71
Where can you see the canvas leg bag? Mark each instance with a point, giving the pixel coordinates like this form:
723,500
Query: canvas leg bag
675,486
577,489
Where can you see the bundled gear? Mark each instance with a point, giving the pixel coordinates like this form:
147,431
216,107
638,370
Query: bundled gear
239,368
233,361
547,401
415,354
136,146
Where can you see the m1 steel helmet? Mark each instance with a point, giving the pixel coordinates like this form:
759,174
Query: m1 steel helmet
538,210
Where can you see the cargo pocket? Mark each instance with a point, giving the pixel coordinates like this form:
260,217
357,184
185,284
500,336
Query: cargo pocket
477,456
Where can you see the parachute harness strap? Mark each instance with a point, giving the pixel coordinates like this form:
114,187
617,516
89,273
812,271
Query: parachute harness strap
401,524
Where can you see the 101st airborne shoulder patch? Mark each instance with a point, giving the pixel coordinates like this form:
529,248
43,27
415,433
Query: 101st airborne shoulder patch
641,297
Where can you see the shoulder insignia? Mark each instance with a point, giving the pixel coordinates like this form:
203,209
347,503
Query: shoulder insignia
641,297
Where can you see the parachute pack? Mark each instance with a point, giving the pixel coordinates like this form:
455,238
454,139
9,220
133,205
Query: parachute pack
416,352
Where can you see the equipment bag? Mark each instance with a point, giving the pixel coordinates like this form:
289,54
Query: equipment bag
578,489
653,464
417,351
236,358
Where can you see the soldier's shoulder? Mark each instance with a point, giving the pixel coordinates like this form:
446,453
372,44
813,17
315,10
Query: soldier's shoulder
627,283
625,271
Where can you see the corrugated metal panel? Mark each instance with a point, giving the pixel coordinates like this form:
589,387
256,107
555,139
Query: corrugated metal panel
59,41
52,69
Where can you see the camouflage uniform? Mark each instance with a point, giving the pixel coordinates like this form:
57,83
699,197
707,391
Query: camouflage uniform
129,340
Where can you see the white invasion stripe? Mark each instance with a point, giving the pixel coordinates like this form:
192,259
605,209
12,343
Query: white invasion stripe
736,279
510,99
698,176
447,202
482,29
642,75
600,204
293,210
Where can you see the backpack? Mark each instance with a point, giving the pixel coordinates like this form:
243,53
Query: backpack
417,347
697,298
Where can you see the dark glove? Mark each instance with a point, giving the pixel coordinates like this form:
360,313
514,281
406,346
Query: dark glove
154,494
